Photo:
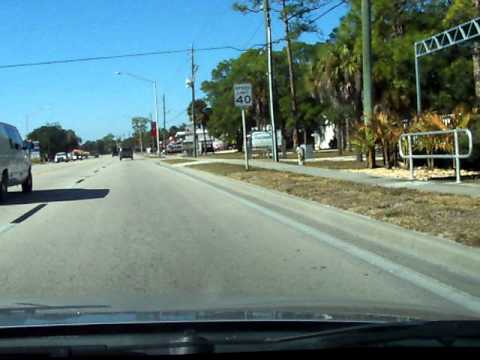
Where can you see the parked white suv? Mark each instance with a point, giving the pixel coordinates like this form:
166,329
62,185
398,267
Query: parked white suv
15,163
61,157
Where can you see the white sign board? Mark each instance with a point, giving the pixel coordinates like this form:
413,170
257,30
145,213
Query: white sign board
243,95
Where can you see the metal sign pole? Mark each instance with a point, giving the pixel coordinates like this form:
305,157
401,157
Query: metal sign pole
243,99
245,145
410,157
457,157
418,86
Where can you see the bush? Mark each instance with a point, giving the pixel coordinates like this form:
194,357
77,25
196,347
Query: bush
473,162
332,144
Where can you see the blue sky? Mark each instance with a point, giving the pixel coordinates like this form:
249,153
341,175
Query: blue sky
88,97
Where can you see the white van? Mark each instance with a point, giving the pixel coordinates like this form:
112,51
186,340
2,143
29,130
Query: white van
15,163
261,140
61,157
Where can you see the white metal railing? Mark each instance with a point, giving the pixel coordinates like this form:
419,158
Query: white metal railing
456,150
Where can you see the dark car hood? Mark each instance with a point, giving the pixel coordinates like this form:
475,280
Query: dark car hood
34,314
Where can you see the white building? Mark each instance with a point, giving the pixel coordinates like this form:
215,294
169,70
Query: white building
323,137
204,139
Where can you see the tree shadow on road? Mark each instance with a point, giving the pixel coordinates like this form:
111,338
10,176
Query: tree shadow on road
54,195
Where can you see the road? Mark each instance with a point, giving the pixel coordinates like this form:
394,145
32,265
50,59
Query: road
137,234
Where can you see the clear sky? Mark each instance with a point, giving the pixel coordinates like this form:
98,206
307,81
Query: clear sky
88,97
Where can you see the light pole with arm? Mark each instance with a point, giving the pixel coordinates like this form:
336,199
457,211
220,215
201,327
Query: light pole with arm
155,97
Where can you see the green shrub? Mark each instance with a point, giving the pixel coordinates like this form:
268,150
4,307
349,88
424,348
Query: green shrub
473,162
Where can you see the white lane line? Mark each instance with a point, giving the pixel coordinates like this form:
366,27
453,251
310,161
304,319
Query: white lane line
425,282
6,227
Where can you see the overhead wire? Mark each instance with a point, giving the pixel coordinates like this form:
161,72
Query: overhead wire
247,43
130,55
328,11
177,115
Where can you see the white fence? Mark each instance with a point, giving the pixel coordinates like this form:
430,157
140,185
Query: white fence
410,137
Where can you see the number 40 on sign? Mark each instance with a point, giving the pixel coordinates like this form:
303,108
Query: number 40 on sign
243,95
243,99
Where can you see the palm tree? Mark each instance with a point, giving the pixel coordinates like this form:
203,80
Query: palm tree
204,118
461,118
202,115
336,78
387,129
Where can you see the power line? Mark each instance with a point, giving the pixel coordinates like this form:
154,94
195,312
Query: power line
177,115
131,55
328,11
254,33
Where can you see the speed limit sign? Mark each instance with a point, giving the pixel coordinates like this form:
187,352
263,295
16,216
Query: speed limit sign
243,95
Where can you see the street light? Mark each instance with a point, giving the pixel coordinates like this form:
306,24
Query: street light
155,97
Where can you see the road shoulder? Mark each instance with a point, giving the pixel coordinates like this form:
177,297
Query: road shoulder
444,258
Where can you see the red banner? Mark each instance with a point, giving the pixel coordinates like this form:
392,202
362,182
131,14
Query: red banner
153,126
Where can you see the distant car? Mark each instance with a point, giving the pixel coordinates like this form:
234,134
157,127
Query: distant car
60,157
126,153
218,145
15,163
174,148
261,140
207,147
115,153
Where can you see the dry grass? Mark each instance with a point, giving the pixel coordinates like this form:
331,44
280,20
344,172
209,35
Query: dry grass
235,155
227,155
421,173
337,165
262,155
322,154
450,216
177,161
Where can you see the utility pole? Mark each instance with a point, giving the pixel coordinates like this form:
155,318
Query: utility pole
140,136
367,73
193,106
418,87
291,78
476,59
164,124
155,90
268,30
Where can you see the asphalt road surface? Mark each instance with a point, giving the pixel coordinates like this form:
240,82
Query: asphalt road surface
137,234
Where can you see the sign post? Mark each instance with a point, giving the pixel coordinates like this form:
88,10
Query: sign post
243,100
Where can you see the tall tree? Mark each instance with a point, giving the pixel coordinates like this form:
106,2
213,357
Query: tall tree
202,115
337,82
224,119
53,138
461,11
297,17
139,126
109,141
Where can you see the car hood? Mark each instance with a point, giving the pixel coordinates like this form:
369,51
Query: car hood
28,314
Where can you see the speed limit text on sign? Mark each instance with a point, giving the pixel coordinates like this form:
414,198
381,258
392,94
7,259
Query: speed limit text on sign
243,95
